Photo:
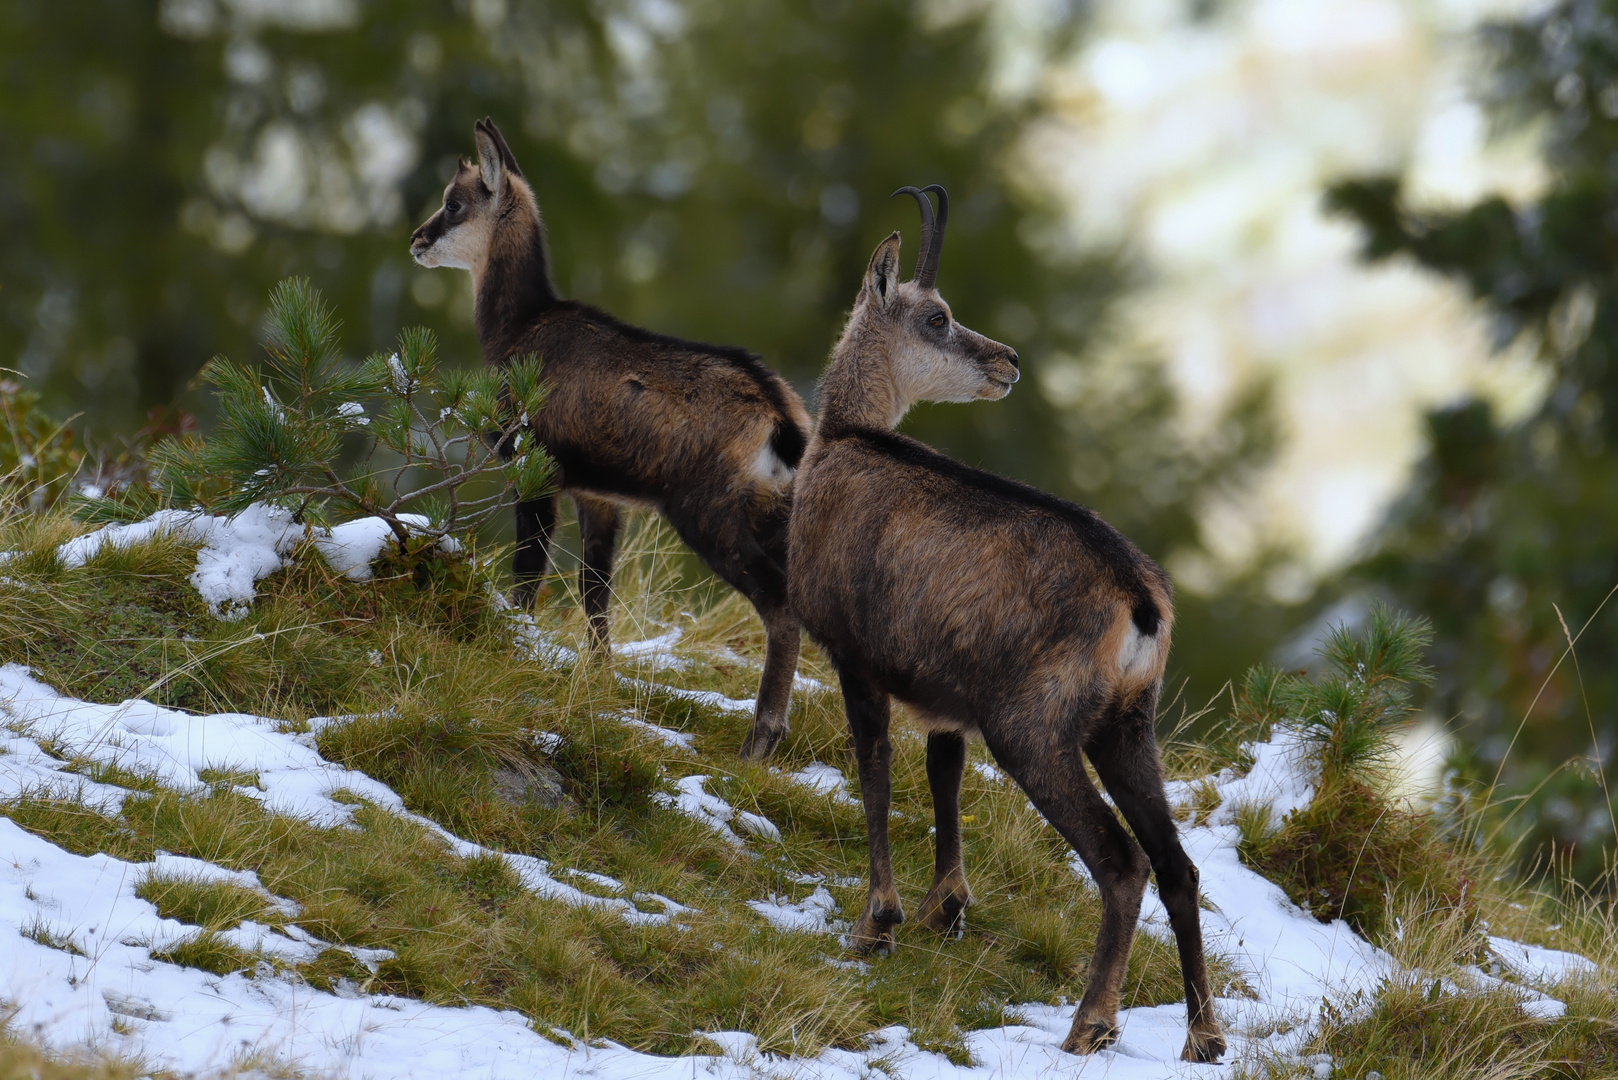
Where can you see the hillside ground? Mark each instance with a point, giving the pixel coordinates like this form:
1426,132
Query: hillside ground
390,792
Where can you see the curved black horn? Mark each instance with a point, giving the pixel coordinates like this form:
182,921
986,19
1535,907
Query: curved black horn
927,229
927,267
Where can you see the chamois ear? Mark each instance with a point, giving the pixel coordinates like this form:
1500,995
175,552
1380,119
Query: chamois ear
508,160
882,276
491,164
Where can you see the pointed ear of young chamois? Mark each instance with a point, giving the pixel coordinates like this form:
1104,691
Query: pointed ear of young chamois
492,155
882,276
508,160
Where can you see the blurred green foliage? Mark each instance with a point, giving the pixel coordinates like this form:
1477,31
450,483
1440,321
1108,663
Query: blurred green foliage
38,457
709,168
1506,538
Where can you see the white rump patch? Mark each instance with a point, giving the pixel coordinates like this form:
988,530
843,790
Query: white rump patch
1139,652
770,468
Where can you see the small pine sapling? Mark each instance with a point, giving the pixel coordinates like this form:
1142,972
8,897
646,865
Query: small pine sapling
442,449
1353,714
1356,848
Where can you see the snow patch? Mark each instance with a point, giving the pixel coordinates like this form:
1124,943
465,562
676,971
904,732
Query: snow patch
806,684
676,740
695,803
824,779
657,652
174,747
238,552
1540,965
351,548
539,645
988,772
711,698
814,914
1281,778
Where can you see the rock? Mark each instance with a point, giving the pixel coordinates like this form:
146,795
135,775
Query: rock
531,784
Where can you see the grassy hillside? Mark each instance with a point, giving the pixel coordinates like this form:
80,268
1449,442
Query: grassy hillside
712,890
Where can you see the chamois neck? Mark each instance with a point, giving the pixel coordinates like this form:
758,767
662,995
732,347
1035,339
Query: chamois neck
515,285
859,390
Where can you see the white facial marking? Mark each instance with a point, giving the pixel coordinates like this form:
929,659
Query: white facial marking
462,247
924,373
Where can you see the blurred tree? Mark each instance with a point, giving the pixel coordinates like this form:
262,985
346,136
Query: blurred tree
162,165
708,168
1508,537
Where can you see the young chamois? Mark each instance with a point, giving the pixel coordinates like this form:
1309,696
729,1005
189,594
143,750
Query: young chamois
705,434
987,607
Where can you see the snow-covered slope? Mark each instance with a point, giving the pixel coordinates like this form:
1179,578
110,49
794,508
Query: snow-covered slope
108,991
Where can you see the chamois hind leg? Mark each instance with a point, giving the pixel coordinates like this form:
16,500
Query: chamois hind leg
529,561
943,907
783,638
747,548
598,539
1124,753
1047,764
867,708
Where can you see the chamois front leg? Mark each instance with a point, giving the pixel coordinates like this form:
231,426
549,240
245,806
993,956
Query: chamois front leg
944,906
598,540
867,708
529,561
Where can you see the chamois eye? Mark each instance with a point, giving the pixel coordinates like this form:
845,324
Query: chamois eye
937,320
452,206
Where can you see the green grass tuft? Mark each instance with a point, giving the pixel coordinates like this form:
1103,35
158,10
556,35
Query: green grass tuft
212,905
1351,852
41,933
210,952
21,1061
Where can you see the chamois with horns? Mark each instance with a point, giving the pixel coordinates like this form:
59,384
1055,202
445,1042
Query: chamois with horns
989,608
706,434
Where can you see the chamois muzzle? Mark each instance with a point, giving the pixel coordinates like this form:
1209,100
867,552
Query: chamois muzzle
932,231
425,236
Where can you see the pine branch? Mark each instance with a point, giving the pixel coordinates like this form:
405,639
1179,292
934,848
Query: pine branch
282,429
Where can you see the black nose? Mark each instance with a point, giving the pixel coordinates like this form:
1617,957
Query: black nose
1013,359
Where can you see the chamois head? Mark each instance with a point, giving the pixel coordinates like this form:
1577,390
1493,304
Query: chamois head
480,197
490,226
903,341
